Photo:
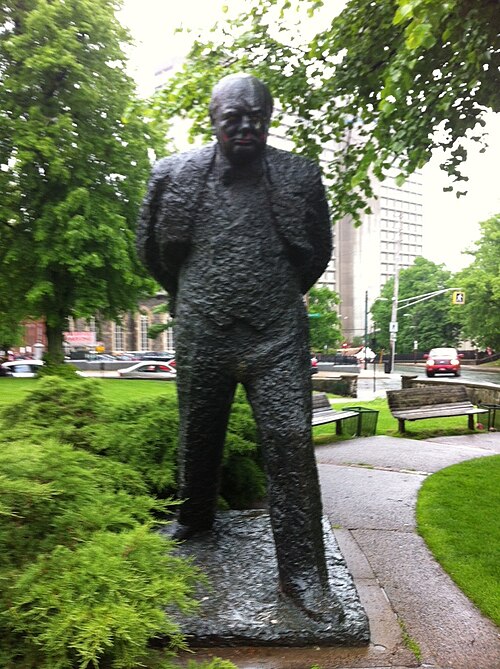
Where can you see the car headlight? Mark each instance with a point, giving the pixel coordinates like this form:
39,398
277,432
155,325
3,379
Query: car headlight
454,361
430,361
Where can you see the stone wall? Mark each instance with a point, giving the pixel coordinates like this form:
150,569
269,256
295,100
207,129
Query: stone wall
479,393
345,385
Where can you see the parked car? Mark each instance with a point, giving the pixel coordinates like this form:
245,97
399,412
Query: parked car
151,369
22,369
443,361
314,365
370,355
166,356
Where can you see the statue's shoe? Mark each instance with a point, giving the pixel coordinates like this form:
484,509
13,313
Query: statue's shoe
316,601
181,532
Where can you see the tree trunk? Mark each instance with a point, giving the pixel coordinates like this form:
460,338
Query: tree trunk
55,350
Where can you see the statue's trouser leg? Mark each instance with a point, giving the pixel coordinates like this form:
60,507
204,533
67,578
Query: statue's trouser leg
281,401
205,391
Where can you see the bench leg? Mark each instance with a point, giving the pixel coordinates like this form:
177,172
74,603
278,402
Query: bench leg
470,418
338,427
401,425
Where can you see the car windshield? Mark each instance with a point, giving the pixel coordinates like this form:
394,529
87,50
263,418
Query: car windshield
443,352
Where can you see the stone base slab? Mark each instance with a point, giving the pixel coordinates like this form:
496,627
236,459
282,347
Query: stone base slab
242,604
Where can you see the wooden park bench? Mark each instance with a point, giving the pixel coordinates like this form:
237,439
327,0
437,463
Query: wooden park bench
431,402
323,413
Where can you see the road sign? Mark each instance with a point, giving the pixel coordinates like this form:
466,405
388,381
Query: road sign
458,297
393,326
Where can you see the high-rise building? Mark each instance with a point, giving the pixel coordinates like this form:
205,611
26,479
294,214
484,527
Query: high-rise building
365,257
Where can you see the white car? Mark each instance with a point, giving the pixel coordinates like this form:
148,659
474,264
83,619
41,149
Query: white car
22,369
150,369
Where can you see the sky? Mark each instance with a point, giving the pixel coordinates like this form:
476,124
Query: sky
451,225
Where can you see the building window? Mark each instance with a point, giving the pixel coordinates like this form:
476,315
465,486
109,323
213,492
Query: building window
118,337
143,334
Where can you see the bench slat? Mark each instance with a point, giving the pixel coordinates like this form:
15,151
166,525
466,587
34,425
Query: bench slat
417,397
415,414
321,417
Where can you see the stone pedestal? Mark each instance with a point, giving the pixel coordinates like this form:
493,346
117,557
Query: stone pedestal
242,604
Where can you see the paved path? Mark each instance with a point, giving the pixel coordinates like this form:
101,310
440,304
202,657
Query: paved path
369,490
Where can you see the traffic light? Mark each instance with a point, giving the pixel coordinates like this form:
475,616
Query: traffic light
458,297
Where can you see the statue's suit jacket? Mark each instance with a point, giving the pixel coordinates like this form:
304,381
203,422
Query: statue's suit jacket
296,195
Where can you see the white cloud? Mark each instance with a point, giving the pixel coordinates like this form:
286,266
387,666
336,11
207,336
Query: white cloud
451,224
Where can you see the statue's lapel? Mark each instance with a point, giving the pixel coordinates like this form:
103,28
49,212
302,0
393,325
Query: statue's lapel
180,200
288,200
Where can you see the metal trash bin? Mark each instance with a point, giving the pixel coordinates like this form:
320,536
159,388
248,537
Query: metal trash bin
366,421
387,366
349,426
493,415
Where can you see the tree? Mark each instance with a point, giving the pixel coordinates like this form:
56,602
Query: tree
433,322
324,324
480,315
73,155
377,84
11,296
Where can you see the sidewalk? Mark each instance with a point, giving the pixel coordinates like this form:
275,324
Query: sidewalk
369,490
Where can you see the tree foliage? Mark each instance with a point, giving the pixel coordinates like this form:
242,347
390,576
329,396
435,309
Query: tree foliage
480,315
73,156
324,324
433,322
375,85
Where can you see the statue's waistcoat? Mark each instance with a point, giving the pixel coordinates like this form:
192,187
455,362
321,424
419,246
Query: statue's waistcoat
237,267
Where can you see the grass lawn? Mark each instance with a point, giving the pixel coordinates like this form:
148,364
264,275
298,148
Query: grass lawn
457,515
117,391
387,425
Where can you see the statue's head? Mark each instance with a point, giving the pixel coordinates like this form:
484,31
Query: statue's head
240,111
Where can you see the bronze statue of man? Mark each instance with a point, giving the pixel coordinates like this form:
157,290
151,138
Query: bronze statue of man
237,232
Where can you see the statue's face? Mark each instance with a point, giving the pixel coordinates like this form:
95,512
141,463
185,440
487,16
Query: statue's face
241,121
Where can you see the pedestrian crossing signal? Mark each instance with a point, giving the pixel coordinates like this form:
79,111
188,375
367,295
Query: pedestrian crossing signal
458,297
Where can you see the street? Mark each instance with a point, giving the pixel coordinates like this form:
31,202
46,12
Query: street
468,373
371,385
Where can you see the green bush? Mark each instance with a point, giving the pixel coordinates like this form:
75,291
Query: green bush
243,480
85,580
144,436
64,409
141,434
63,370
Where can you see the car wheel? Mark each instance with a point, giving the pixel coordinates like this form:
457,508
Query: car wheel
430,374
457,373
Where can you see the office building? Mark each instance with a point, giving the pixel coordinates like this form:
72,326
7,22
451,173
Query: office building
367,256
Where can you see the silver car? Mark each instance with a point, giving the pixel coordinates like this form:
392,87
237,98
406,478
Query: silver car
22,369
150,369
